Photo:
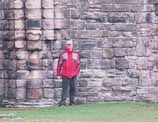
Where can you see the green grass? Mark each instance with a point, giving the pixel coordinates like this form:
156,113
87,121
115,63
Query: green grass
100,112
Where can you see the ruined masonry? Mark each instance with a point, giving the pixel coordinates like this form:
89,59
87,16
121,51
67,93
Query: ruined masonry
117,41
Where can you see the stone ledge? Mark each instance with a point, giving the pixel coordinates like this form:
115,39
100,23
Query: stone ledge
31,103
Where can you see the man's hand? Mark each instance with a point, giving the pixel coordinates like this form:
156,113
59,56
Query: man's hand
58,77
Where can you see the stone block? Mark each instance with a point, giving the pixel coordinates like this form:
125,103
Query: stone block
21,54
48,93
4,25
58,84
55,64
48,74
123,27
8,4
62,34
48,83
107,64
57,92
19,35
1,5
33,13
47,64
121,63
48,13
100,63
83,63
85,54
35,74
48,4
18,4
9,14
75,14
21,83
45,55
145,17
83,83
21,64
95,83
48,24
18,14
11,93
34,65
3,34
34,93
33,24
34,45
22,74
8,45
33,35
116,19
104,43
59,12
87,45
94,26
47,45
3,75
34,57
149,7
152,1
128,1
20,93
145,78
1,92
61,2
108,53
101,1
142,47
33,4
121,8
20,44
60,24
1,55
119,52
123,42
77,24
82,94
95,17
35,83
48,35
2,64
11,84
8,65
87,34
133,73
143,64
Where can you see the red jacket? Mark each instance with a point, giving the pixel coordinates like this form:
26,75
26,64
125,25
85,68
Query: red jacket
68,64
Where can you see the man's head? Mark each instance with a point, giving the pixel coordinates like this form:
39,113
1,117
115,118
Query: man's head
69,45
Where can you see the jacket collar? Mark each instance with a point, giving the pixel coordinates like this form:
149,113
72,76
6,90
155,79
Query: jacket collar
69,51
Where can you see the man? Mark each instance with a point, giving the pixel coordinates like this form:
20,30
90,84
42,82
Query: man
68,68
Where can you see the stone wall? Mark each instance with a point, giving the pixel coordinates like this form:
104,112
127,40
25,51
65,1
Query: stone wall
116,39
5,34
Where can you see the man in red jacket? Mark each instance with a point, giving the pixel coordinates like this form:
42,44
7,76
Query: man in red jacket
68,68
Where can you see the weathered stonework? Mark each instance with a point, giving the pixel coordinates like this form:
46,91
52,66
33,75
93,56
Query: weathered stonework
116,39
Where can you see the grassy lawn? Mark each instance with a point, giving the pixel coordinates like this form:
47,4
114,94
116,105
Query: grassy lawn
100,112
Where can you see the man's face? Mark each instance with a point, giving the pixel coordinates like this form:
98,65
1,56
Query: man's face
69,46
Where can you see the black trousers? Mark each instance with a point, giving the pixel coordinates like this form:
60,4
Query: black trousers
68,88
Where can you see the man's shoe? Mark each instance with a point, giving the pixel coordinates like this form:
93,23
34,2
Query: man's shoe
62,103
72,103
